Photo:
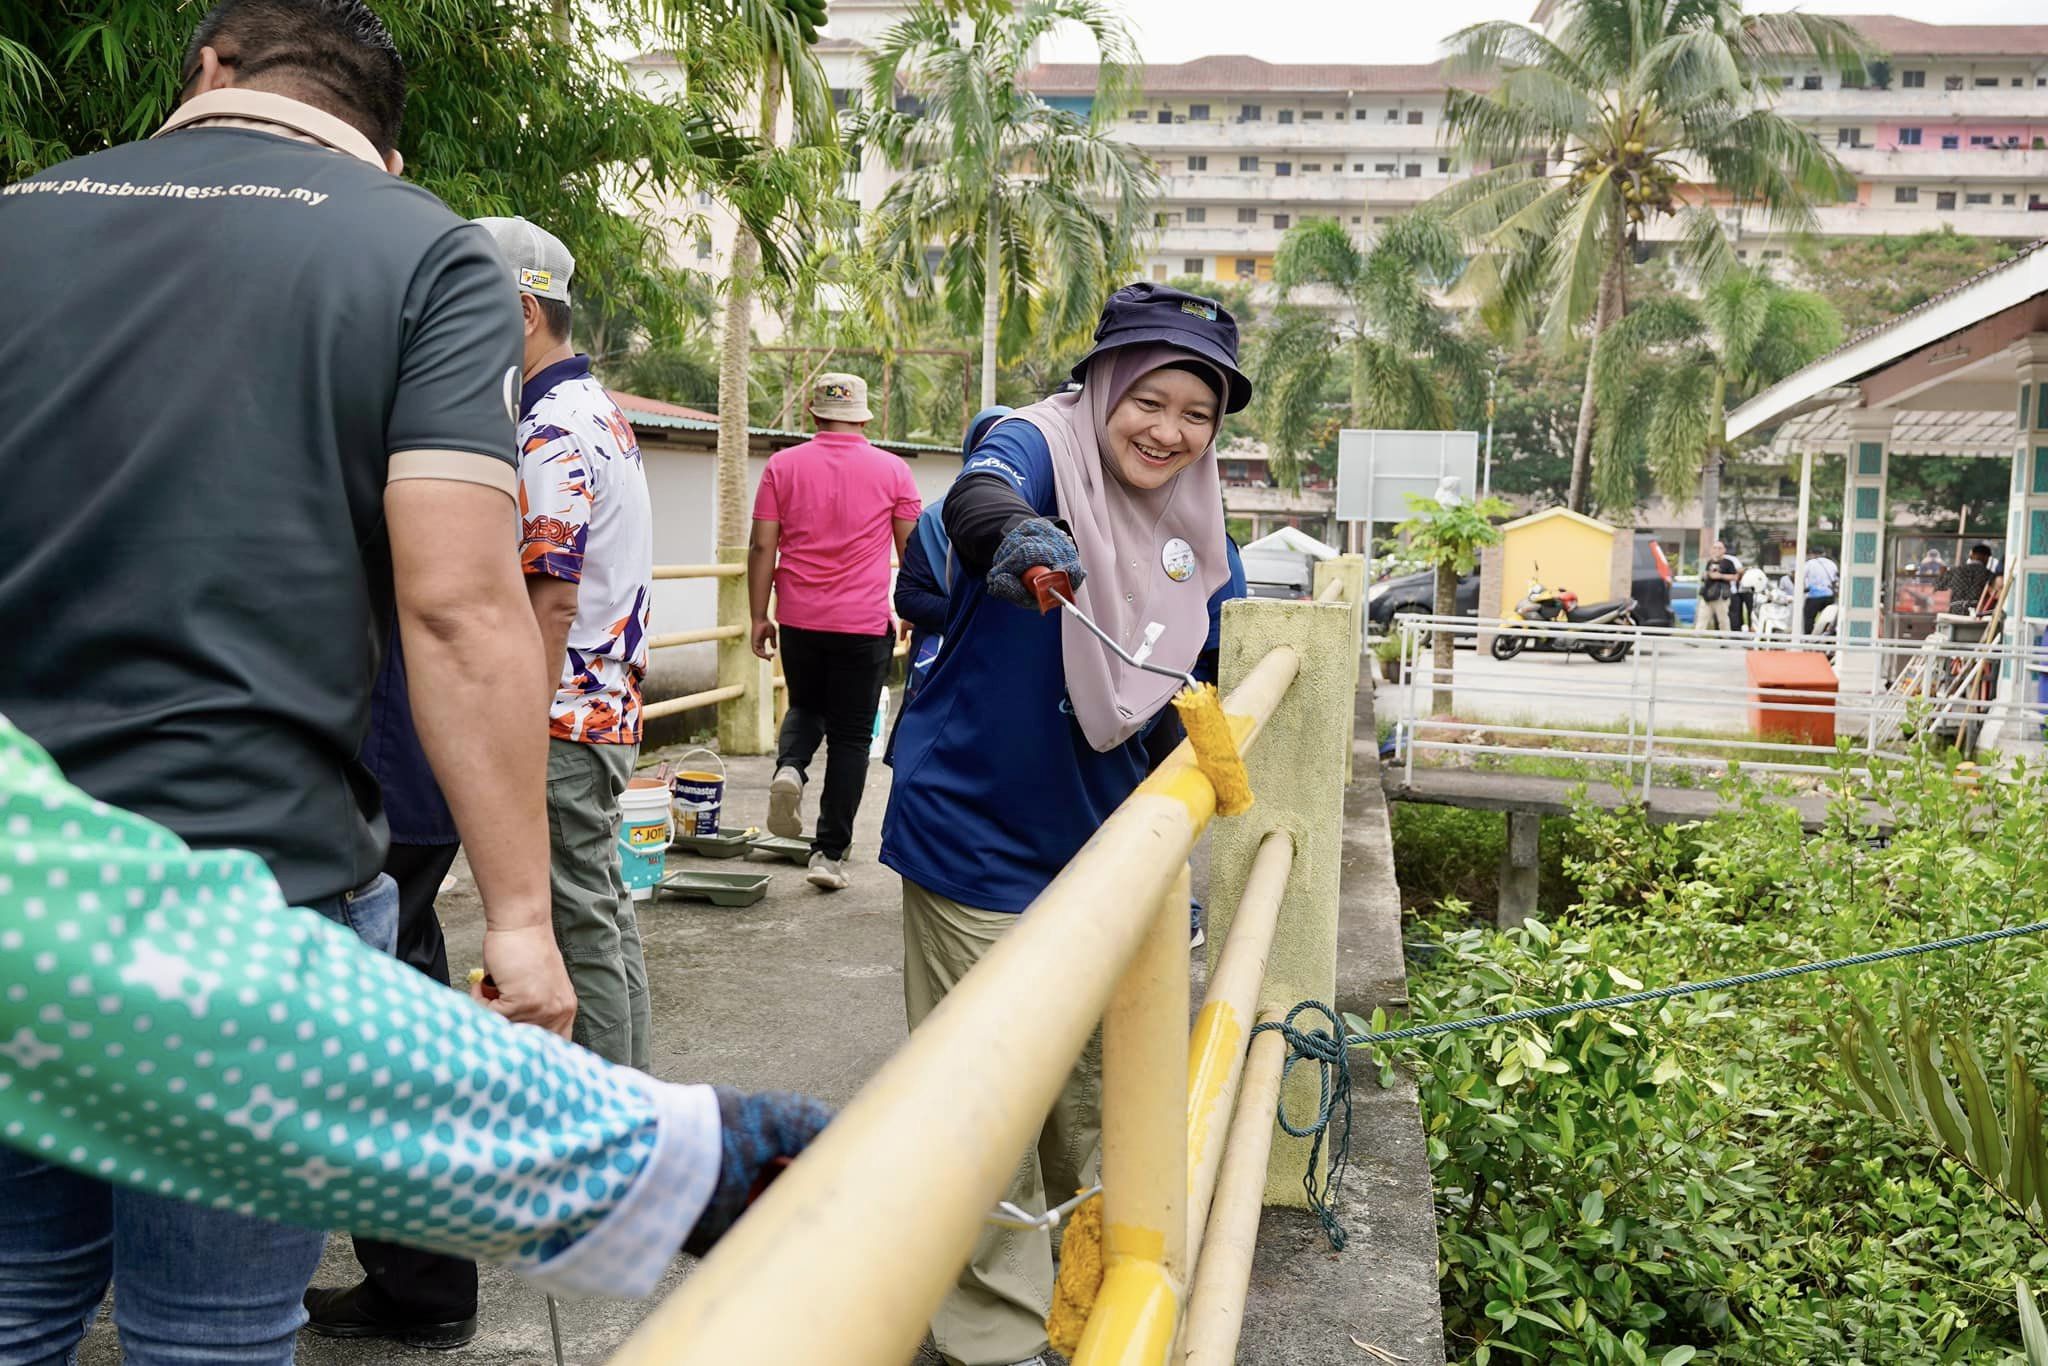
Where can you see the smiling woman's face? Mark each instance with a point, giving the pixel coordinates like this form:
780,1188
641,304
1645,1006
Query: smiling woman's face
1162,424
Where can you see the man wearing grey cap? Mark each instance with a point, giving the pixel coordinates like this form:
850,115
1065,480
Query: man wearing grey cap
587,549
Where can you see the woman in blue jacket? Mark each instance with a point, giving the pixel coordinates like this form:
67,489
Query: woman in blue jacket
1026,734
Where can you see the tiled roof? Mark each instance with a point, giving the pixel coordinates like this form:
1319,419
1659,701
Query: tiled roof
1235,73
631,404
1909,37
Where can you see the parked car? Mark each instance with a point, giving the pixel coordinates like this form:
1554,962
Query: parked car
1685,600
1416,593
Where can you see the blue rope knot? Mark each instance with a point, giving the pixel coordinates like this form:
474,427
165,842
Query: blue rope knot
1329,1049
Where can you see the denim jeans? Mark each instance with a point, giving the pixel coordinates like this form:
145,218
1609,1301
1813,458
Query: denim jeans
195,1286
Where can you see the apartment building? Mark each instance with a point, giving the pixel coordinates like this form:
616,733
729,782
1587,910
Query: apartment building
1245,148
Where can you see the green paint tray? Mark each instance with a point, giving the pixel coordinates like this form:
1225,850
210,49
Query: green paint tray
797,851
720,889
725,844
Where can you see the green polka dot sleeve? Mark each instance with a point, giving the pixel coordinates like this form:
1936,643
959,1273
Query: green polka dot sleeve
168,1023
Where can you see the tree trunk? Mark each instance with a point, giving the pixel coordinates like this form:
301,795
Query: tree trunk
991,300
1710,468
735,348
1444,642
1605,311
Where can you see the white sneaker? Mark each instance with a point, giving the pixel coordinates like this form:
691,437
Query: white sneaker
829,874
785,795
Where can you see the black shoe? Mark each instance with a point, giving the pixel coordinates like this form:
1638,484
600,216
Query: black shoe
348,1312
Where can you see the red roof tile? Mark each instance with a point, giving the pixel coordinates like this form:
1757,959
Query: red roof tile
1230,74
1910,37
658,407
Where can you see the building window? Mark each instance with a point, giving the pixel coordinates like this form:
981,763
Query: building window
1443,165
1287,116
1308,166
1950,141
1415,116
1787,82
1906,194
1198,113
1141,116
1384,168
703,249
1909,137
1249,113
1379,220
1283,168
1951,82
703,199
1247,215
1198,163
1198,214
1247,268
1414,170
1810,83
1281,220
1981,140
1772,253
1848,137
1358,115
1356,220
1159,219
2008,200
1944,199
1159,274
1393,116
1166,116
1977,198
1191,266
1247,163
1987,82
1912,80
1311,115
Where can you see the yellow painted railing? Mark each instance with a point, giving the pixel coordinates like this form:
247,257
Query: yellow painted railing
847,1255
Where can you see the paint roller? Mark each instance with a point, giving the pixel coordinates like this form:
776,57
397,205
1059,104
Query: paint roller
1199,704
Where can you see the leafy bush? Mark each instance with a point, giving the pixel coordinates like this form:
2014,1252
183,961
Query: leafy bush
1699,1180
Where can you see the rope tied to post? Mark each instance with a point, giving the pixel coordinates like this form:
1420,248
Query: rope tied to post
1330,1048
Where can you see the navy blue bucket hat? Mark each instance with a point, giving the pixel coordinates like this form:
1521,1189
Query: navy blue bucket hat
1145,313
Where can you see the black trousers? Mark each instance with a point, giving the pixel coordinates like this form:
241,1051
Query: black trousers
1814,607
427,1287
1738,611
835,682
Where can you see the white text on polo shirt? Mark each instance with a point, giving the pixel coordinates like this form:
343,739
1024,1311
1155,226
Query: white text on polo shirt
164,190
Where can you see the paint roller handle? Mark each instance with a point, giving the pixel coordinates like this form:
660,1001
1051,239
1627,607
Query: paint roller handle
1050,587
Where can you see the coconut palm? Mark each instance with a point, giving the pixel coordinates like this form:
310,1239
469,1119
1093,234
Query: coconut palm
1397,356
1630,113
1032,210
1668,372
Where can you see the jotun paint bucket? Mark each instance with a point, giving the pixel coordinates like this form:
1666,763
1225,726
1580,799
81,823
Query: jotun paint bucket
644,833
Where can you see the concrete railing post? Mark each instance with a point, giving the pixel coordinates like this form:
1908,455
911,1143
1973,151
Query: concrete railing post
1348,570
746,724
1521,871
1298,777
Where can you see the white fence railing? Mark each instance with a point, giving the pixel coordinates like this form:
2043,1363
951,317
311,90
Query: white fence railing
1684,700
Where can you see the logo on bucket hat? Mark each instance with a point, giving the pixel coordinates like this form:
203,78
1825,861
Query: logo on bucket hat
840,398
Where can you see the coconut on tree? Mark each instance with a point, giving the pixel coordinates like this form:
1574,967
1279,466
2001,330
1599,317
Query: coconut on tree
1633,124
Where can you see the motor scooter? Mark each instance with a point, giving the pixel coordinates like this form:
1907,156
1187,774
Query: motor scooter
1555,608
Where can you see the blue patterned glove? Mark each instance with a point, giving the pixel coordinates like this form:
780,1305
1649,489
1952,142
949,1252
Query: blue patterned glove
756,1130
1033,541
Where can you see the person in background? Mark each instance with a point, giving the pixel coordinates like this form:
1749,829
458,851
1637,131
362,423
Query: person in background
586,544
592,1178
1931,565
1823,576
826,516
1028,734
1717,588
1752,592
1971,583
258,428
407,1295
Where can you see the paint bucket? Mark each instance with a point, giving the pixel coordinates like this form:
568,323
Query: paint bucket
697,796
644,833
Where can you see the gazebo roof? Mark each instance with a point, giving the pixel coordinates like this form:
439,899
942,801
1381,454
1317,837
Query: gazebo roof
1944,369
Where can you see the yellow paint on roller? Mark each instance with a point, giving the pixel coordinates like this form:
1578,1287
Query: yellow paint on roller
1080,1277
1215,742
1134,1320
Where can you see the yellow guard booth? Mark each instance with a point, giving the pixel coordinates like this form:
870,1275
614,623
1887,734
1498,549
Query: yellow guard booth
1562,550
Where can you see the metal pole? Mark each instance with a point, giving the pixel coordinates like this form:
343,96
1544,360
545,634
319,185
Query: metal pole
1798,623
1486,480
1650,725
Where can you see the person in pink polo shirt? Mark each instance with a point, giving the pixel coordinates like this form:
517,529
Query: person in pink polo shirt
826,516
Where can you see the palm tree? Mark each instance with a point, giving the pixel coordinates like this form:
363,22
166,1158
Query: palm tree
1630,113
1395,354
1669,371
772,37
1032,210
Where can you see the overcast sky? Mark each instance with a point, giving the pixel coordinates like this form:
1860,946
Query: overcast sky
1409,30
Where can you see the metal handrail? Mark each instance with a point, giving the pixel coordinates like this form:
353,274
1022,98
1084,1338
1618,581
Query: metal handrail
699,571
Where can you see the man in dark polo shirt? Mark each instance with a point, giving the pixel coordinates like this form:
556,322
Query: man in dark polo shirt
257,396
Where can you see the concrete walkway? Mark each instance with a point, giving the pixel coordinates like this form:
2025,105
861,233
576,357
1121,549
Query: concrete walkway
804,992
